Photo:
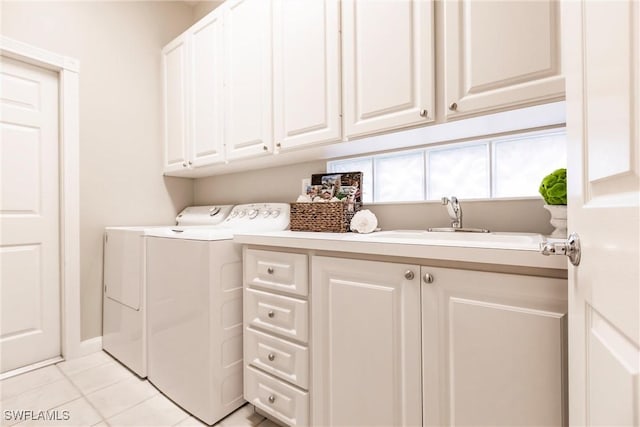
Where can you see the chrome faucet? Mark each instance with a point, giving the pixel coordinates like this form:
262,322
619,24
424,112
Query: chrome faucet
454,210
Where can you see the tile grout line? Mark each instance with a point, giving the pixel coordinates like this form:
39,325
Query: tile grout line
130,408
84,396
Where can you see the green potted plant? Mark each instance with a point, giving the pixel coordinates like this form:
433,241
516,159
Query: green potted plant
553,189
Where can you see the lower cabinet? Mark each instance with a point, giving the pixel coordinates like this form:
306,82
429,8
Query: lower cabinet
493,349
393,344
366,343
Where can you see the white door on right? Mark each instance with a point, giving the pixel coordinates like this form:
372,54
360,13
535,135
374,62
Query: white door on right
602,54
500,55
387,65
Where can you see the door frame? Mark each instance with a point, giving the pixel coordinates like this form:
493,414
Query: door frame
67,68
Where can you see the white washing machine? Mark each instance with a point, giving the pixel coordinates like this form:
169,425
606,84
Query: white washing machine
194,281
124,298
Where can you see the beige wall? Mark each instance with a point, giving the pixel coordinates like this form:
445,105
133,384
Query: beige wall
203,7
118,45
283,184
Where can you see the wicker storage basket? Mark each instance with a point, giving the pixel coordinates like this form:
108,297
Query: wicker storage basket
325,216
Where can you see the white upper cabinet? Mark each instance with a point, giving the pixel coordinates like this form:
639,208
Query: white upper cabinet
387,64
306,54
206,90
500,55
248,78
174,81
193,90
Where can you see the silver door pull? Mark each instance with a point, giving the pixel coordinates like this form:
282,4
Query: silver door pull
569,247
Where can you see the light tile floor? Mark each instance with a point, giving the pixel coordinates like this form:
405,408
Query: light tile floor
97,391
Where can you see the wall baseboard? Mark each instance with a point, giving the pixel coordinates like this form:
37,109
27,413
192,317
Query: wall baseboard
92,345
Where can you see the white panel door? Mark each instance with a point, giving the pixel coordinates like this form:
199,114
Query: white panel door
365,343
175,88
29,216
206,77
387,64
602,56
500,54
494,349
248,78
306,54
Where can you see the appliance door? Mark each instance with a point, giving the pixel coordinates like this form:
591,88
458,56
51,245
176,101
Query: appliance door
124,266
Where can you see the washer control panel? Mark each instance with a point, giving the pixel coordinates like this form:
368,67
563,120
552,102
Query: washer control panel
259,217
203,215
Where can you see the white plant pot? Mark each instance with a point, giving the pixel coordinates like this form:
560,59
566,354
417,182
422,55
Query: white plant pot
558,220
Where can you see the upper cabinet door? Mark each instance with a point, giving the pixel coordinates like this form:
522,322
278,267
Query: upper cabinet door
206,74
248,91
388,65
500,55
306,56
174,80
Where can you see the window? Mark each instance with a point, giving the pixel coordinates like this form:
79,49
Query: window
497,168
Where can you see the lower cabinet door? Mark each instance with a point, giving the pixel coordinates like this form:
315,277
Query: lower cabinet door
365,343
494,349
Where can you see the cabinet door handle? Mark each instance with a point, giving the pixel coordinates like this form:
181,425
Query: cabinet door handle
424,113
427,278
271,313
270,270
271,356
265,148
184,164
409,275
453,106
190,162
272,398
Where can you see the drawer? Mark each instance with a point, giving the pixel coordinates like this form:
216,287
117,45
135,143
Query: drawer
279,271
277,356
280,400
285,316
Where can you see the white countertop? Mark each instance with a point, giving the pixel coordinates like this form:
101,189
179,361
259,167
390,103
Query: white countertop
513,249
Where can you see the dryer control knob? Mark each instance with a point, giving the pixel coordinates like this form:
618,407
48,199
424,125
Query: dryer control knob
253,213
275,213
242,213
266,213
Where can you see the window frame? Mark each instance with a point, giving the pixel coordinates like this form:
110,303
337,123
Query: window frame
489,142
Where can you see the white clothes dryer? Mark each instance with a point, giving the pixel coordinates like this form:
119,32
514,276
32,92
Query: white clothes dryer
194,280
124,291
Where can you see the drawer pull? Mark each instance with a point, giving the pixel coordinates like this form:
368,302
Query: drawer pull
272,398
270,270
271,356
271,313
